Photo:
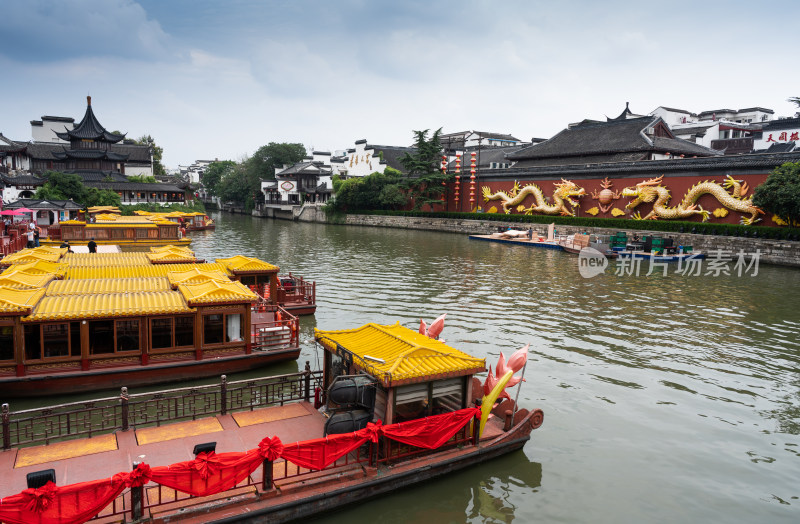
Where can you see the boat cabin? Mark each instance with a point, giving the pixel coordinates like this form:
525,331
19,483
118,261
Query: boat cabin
392,374
66,312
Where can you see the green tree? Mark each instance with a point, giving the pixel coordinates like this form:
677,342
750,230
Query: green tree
238,186
268,158
374,191
214,173
145,179
62,186
101,197
147,140
423,167
780,194
795,100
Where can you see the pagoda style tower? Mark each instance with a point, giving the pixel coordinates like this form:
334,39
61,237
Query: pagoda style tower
89,146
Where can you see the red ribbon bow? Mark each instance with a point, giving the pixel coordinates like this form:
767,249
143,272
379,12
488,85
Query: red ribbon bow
206,464
270,449
139,476
373,430
40,498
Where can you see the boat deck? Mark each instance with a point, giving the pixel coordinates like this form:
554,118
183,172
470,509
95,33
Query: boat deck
93,458
104,455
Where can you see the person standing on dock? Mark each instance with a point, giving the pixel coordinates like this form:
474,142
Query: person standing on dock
92,245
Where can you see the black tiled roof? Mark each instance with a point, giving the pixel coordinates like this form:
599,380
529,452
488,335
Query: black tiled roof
498,136
391,155
90,128
780,147
135,186
485,156
697,166
32,203
783,123
91,154
23,180
308,168
613,137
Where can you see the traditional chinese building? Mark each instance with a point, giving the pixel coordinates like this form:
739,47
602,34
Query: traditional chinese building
103,159
628,167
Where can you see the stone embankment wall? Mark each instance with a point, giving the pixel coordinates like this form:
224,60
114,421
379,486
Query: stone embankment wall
780,252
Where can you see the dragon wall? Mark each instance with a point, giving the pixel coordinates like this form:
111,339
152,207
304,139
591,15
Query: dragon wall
714,199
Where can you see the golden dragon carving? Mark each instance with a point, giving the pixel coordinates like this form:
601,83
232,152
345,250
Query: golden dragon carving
652,191
563,193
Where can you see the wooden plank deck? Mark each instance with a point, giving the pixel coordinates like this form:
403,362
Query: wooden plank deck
171,443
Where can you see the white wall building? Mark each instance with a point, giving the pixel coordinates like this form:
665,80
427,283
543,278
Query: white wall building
45,130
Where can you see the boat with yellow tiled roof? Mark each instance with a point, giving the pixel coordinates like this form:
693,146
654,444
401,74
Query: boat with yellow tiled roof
73,322
106,227
394,408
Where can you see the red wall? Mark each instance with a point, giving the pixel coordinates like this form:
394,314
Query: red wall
678,186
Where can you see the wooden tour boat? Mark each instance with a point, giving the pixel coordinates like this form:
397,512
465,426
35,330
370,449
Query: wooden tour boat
191,221
393,408
72,322
128,232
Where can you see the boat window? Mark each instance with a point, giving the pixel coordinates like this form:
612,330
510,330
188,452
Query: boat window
248,280
411,402
212,329
101,337
161,333
75,338
184,331
56,340
33,342
448,395
127,335
233,330
7,342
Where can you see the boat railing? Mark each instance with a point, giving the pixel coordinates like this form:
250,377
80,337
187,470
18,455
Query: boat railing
297,289
156,498
281,332
73,420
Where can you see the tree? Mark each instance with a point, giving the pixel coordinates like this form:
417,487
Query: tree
147,140
62,186
144,179
268,158
214,173
238,187
101,197
374,191
780,194
795,100
423,166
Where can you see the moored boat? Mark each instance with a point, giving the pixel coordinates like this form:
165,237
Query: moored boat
398,409
72,322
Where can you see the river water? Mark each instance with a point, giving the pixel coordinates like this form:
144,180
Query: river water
666,398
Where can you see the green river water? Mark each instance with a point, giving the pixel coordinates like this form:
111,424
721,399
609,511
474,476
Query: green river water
666,398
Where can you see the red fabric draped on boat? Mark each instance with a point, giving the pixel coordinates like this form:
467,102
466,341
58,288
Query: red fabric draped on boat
322,452
69,504
209,473
430,432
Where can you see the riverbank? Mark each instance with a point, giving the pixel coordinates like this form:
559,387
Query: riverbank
778,252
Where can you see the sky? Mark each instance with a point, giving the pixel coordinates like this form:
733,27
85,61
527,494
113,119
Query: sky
219,79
